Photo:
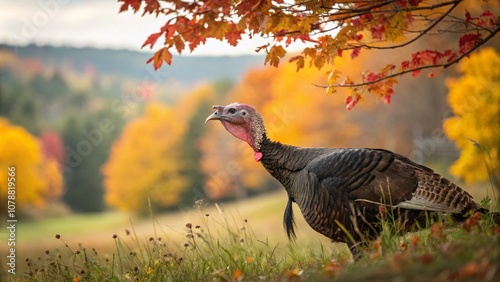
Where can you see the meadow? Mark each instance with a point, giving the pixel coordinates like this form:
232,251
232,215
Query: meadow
243,241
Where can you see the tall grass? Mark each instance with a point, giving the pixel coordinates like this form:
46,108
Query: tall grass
218,247
223,247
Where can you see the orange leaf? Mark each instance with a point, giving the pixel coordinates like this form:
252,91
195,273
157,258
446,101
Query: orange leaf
293,273
161,56
151,40
275,54
469,269
332,268
299,61
238,274
414,240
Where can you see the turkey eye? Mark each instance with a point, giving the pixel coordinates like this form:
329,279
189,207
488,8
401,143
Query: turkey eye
232,111
243,113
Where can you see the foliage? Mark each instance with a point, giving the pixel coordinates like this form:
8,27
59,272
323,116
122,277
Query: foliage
475,101
53,154
326,30
35,176
145,162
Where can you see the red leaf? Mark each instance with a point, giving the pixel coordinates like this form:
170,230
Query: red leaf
233,37
487,19
152,6
135,4
468,41
356,22
372,77
378,31
405,65
355,52
350,101
415,73
151,40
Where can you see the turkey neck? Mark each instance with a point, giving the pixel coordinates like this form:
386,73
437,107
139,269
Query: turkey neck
283,161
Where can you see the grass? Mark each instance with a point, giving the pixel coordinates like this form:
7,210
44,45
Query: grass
77,224
225,243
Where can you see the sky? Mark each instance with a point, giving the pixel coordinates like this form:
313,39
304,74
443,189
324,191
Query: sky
91,23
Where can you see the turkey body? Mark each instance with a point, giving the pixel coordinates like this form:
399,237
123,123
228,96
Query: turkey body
345,193
340,192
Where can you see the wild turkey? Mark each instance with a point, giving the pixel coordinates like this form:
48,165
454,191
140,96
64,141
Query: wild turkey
341,192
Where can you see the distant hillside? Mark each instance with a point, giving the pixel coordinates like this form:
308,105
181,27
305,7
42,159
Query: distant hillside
185,69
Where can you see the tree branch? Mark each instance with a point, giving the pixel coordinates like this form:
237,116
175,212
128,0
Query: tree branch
444,65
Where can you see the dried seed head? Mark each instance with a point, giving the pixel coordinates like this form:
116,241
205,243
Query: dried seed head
115,236
58,236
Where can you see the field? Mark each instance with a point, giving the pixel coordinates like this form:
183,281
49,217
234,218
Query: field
245,241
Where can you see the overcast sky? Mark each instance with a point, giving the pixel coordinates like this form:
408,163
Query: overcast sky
92,23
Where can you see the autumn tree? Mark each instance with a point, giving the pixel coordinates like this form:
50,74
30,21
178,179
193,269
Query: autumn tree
325,30
145,162
53,153
34,177
475,100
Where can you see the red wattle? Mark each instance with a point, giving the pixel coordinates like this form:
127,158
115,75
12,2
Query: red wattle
257,156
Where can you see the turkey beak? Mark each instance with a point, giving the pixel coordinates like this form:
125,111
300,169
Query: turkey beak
217,115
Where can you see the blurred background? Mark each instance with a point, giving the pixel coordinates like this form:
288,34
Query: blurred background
101,141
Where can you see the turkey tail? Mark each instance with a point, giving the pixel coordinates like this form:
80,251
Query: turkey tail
436,193
288,220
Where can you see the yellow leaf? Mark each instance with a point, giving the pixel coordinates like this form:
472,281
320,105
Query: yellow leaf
334,75
331,89
475,101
